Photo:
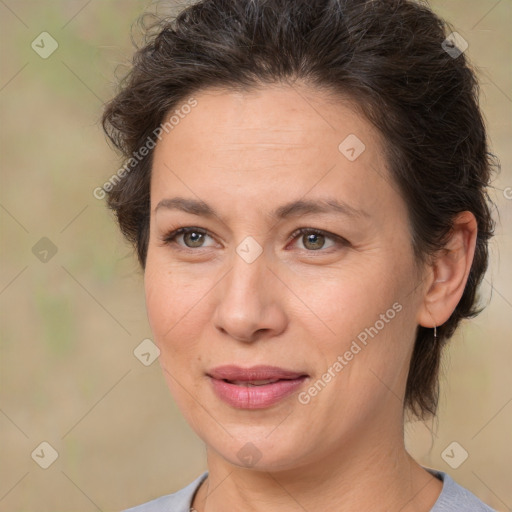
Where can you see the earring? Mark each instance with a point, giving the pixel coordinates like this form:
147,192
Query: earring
435,332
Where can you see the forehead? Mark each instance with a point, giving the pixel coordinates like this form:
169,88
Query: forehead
270,114
270,142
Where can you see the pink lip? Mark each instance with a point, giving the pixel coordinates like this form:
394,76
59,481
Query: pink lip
254,397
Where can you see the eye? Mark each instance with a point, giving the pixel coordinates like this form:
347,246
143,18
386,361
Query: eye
192,236
314,239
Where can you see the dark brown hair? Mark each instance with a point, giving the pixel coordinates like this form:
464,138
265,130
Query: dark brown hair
388,56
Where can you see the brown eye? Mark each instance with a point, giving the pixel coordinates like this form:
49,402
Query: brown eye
193,238
313,241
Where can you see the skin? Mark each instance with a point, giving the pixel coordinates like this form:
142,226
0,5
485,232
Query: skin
295,306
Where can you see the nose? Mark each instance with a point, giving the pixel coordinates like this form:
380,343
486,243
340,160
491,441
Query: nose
250,302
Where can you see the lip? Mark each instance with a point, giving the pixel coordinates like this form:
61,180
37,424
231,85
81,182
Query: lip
260,372
254,397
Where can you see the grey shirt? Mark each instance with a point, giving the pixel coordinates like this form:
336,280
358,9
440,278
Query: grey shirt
453,498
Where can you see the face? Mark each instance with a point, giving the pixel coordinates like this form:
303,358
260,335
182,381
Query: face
336,303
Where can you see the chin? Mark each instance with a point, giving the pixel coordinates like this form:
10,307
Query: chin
258,452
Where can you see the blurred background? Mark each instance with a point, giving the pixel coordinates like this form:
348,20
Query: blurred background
72,302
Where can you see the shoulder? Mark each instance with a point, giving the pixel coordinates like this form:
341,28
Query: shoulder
455,498
179,501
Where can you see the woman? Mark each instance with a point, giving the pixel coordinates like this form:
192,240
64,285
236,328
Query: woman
306,192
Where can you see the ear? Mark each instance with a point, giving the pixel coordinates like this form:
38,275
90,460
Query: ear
449,273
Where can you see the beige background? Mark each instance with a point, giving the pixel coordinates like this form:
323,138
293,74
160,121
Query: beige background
69,326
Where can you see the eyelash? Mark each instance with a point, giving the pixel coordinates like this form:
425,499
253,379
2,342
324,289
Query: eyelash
169,238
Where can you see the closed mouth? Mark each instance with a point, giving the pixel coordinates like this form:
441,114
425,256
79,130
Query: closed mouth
256,375
251,383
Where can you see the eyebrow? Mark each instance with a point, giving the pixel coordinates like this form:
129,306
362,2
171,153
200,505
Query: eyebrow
294,208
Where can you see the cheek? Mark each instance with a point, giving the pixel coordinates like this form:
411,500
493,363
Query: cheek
174,305
349,300
367,321
176,327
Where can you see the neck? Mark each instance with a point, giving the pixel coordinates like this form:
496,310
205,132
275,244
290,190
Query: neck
363,474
